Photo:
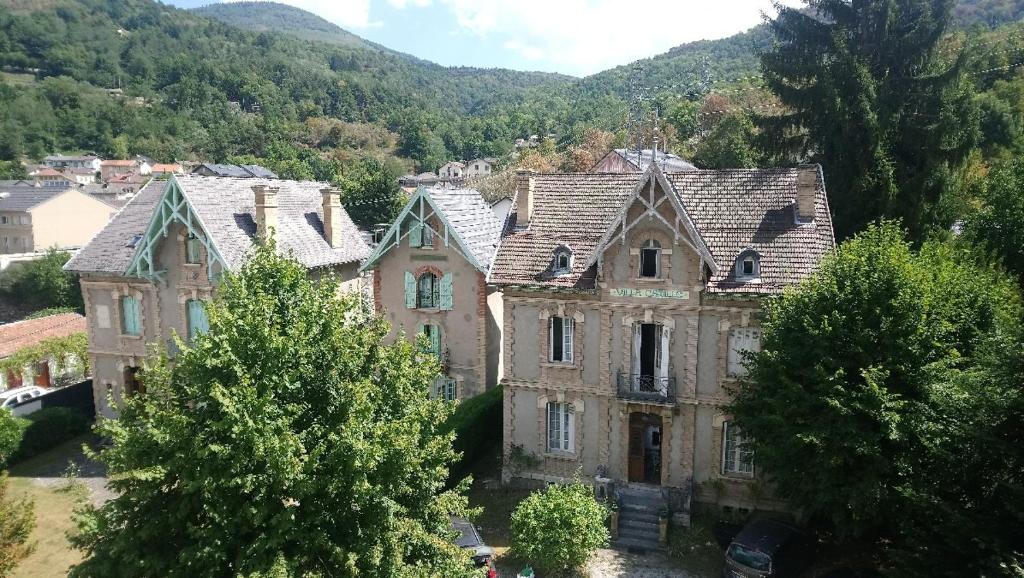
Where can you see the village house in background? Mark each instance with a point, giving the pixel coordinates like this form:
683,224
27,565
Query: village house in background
451,170
116,167
479,167
149,272
61,162
234,171
167,169
51,178
637,161
34,218
47,372
429,280
629,301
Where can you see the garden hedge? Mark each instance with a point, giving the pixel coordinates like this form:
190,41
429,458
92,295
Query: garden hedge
23,438
477,425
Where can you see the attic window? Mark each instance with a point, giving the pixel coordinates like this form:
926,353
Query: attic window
748,265
563,261
649,259
133,241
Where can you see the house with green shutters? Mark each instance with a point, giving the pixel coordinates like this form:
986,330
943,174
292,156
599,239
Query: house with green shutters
149,272
430,280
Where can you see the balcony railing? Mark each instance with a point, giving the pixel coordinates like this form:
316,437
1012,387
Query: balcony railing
647,388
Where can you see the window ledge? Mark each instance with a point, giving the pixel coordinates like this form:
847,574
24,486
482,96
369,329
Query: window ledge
564,456
559,365
742,478
130,337
651,280
429,309
195,265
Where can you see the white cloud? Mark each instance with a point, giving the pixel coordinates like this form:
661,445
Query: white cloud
401,4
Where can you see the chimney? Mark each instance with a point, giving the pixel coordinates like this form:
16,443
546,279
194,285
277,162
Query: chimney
266,209
524,197
806,191
332,216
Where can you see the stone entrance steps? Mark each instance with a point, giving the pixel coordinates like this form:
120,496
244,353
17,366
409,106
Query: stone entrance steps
638,517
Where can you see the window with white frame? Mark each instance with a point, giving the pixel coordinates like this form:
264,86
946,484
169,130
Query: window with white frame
741,341
737,457
445,388
560,339
561,427
650,257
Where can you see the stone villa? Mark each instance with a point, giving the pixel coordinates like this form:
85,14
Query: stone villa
429,279
629,300
147,274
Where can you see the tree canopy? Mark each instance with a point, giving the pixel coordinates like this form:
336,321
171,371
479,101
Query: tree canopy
287,441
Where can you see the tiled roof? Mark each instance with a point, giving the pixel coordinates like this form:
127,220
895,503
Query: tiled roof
21,334
668,161
571,209
23,198
732,210
118,163
236,171
473,220
63,158
226,207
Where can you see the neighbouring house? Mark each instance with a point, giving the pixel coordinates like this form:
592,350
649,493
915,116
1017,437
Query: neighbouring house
51,178
110,194
501,208
38,218
91,162
149,272
451,170
234,171
429,280
47,371
478,168
634,161
167,169
80,176
110,169
126,183
629,301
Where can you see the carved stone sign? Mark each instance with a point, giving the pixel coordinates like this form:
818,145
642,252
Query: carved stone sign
650,293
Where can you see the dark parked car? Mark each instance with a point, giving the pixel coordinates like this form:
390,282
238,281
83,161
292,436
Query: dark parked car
767,547
469,539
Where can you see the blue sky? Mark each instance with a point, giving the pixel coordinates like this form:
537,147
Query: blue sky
577,37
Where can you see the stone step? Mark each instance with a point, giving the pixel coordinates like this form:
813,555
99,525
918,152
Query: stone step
638,545
640,536
638,525
641,507
638,516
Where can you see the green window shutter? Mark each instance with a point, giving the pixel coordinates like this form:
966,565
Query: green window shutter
446,292
130,316
435,340
192,247
198,324
416,235
410,290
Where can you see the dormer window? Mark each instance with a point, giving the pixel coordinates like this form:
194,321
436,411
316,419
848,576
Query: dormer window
650,260
563,261
748,265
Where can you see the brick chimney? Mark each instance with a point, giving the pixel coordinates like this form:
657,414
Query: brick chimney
806,192
266,209
524,197
332,216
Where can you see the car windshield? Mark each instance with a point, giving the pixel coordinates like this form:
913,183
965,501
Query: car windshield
750,558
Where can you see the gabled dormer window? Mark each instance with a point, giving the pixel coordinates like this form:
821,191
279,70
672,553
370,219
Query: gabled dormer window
650,260
748,265
562,264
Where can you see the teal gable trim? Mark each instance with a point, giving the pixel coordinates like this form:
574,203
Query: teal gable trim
172,208
395,235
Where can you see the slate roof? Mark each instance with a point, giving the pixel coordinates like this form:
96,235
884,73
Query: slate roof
226,207
21,334
473,220
22,198
668,161
732,210
236,171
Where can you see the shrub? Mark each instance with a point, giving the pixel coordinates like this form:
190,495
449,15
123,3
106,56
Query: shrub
11,429
477,425
48,428
17,519
558,528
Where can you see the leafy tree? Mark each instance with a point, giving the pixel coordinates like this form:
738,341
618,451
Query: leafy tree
17,519
12,170
288,441
999,226
43,283
558,528
844,380
729,145
370,192
873,101
11,429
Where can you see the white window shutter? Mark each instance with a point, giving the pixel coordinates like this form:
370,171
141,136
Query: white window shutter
637,332
567,339
663,358
570,428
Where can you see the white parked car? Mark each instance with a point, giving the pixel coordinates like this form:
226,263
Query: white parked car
12,398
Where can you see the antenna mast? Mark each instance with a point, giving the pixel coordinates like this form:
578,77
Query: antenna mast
634,130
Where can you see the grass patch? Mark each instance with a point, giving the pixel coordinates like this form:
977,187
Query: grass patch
18,78
53,555
695,548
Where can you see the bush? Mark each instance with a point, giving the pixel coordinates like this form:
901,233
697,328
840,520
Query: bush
43,283
557,529
46,429
11,429
477,425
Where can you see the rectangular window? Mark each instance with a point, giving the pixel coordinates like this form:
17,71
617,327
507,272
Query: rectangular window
429,291
561,427
445,388
560,334
649,263
742,340
432,334
131,323
3,220
737,458
193,253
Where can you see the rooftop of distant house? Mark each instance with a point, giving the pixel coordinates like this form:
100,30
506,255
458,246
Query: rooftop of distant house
21,334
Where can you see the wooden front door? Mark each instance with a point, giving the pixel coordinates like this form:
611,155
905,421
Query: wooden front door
636,448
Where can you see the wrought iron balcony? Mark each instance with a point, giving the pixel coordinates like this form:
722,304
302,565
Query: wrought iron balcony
647,388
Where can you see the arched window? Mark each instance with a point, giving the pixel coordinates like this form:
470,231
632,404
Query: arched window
428,292
650,259
562,264
748,265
